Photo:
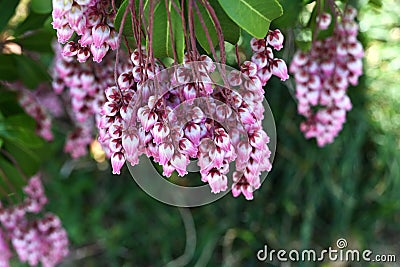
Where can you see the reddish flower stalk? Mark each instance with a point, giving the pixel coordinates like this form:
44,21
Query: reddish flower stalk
218,27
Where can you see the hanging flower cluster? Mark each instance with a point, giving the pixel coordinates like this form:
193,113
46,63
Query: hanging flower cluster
92,21
141,117
83,85
323,75
136,116
32,106
35,239
263,57
41,104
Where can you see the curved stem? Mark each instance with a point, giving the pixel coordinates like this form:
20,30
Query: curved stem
190,247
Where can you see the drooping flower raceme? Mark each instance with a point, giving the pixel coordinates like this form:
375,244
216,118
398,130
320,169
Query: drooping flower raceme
35,240
30,103
140,117
322,77
84,85
92,21
133,118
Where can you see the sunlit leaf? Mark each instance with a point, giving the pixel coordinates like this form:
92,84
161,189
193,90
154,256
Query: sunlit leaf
254,16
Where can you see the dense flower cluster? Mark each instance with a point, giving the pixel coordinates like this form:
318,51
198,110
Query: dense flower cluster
263,57
140,117
34,239
117,112
32,106
323,75
84,85
42,104
92,21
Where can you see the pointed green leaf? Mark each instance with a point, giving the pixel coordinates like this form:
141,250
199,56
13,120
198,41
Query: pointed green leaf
127,30
253,16
7,10
162,41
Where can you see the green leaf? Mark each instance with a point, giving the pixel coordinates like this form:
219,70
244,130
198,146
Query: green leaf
200,33
162,42
8,106
21,121
32,22
7,10
304,45
127,30
21,141
20,136
31,72
41,6
291,14
28,159
8,68
253,16
230,29
39,41
11,180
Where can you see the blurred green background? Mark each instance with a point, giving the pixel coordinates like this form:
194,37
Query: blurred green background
312,197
